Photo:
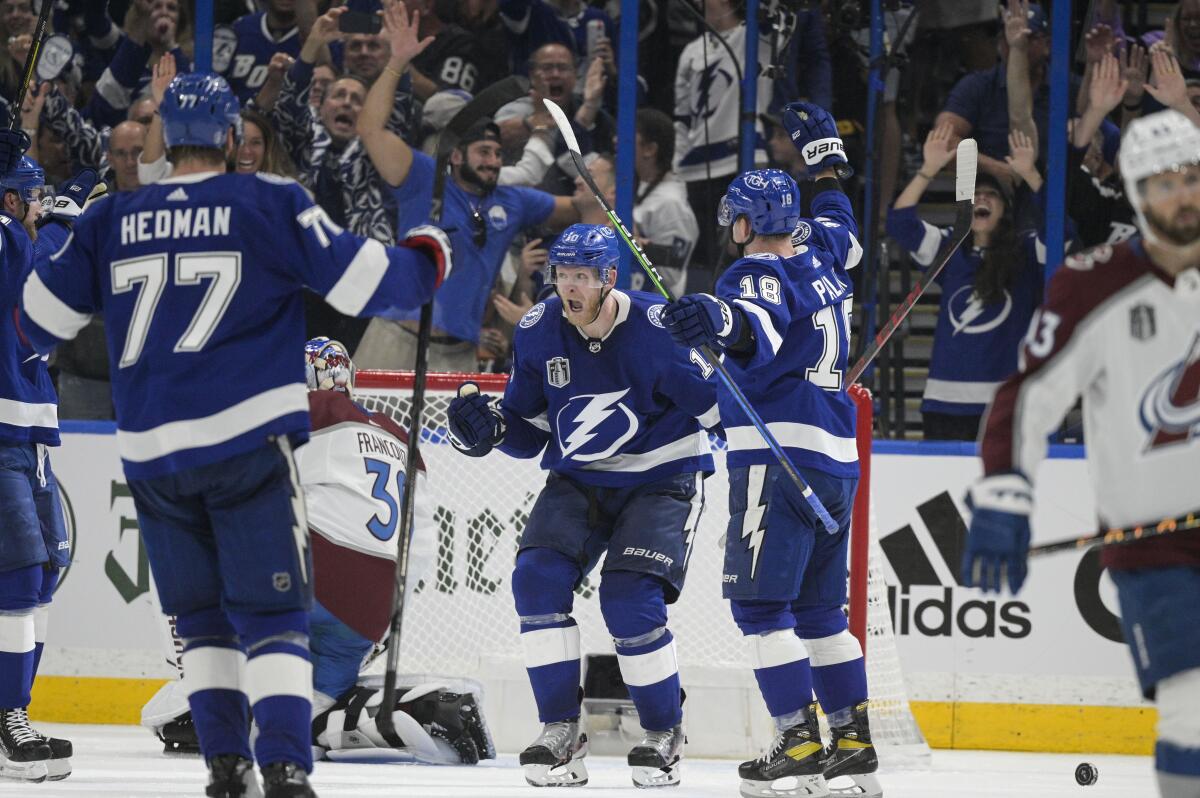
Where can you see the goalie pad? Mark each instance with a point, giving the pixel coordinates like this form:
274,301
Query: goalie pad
167,715
439,721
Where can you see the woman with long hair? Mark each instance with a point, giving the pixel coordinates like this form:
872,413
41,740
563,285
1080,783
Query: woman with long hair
990,287
260,149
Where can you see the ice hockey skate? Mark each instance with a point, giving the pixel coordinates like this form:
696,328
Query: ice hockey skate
286,780
232,776
58,766
851,754
655,760
24,754
555,758
792,767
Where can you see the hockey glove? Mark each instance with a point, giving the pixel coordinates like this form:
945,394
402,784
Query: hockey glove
998,539
72,196
13,144
435,244
699,320
814,133
475,424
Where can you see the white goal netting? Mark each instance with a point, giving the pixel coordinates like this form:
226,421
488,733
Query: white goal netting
461,619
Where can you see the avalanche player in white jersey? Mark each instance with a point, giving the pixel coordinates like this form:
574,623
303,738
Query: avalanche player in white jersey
618,414
200,279
1121,328
781,315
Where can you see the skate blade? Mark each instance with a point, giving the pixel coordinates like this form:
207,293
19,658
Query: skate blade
33,772
858,785
646,778
58,769
568,774
787,787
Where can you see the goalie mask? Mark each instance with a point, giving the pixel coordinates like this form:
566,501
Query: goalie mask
327,366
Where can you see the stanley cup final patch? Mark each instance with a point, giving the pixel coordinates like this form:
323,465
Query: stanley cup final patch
1141,322
558,371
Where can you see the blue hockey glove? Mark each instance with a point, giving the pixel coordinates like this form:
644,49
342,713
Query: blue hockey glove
702,320
998,539
475,424
73,195
13,144
814,133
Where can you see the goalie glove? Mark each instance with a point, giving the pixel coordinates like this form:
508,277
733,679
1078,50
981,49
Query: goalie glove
997,547
698,320
476,426
814,133
434,244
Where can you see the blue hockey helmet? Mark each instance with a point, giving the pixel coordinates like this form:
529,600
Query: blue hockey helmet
197,110
327,366
24,179
587,245
768,198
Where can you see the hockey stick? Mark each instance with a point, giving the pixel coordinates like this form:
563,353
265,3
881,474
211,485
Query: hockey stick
814,503
1129,534
35,47
484,104
964,199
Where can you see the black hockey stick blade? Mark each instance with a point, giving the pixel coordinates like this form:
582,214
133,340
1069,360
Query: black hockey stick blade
484,104
964,199
35,48
814,502
1122,535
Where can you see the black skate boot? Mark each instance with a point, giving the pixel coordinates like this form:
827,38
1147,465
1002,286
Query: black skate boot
852,754
796,752
555,758
231,776
24,754
58,767
179,736
286,780
655,760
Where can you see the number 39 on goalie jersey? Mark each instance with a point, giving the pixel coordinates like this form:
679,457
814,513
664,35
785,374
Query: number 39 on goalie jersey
799,310
200,281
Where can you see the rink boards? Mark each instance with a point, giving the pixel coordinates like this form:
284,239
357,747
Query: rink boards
1044,671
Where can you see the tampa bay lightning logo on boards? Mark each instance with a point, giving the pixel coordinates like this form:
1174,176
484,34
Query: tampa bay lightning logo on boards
594,427
533,315
1170,406
968,314
654,314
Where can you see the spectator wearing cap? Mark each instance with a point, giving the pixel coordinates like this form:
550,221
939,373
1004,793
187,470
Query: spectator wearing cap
452,61
481,217
978,105
990,288
663,220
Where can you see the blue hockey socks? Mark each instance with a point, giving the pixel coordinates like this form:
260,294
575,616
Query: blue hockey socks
213,663
543,583
19,591
635,612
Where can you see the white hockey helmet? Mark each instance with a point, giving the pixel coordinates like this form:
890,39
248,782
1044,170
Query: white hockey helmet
1158,143
327,366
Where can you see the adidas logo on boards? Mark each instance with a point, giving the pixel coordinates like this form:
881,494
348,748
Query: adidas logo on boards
178,195
918,606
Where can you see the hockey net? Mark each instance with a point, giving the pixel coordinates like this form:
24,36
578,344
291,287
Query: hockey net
461,619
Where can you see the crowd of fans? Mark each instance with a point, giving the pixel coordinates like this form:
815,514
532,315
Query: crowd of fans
354,115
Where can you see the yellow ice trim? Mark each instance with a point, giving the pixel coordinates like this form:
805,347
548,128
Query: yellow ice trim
90,699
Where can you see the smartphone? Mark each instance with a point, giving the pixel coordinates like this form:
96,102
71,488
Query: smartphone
360,22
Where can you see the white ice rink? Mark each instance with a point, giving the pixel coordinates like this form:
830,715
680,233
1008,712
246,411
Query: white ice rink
125,762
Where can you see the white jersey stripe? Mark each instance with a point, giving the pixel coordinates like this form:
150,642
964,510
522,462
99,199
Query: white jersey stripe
358,283
979,393
51,313
774,339
795,436
28,414
694,445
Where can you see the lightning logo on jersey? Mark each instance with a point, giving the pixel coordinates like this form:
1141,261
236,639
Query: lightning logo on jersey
590,422
973,318
752,522
1170,407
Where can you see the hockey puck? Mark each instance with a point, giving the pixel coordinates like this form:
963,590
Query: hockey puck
467,389
1086,774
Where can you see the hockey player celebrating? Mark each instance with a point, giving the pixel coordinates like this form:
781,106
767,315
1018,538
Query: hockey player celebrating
1121,328
618,414
202,274
781,315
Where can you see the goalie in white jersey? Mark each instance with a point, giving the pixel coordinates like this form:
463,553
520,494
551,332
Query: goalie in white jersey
1121,328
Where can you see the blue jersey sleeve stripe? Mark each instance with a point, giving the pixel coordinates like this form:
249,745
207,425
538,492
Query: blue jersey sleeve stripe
774,339
710,417
855,253
540,421
931,242
361,279
694,445
194,433
49,312
793,435
28,414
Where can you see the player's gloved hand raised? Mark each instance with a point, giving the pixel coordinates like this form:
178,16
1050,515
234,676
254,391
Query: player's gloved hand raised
435,244
814,133
998,538
475,424
13,145
702,320
73,195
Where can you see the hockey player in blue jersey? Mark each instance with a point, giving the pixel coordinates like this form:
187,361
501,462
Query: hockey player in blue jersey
200,278
617,413
33,540
781,315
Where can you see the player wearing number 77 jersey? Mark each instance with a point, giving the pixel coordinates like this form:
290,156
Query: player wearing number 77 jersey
781,315
200,279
